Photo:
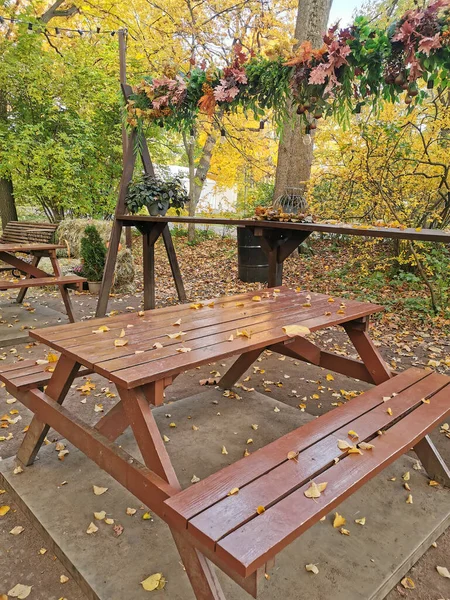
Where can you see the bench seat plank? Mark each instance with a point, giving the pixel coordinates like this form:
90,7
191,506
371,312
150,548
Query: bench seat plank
41,281
256,542
223,517
27,247
26,374
195,499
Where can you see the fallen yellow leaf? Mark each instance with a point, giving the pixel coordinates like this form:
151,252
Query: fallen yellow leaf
315,489
20,591
154,582
338,521
409,499
408,583
4,509
243,333
224,450
120,342
233,492
256,298
260,510
295,330
92,528
344,531
389,412
352,434
98,491
361,521
312,569
366,446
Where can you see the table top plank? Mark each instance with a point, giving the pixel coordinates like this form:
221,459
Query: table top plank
223,517
430,235
194,499
278,526
143,337
207,333
62,332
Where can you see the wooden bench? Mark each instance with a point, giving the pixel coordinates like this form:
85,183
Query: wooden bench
27,374
34,239
241,517
244,541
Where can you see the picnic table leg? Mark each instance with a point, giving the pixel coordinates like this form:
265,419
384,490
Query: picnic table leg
238,368
62,289
432,461
62,378
21,295
148,437
378,369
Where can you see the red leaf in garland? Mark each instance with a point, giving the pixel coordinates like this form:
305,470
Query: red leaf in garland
429,43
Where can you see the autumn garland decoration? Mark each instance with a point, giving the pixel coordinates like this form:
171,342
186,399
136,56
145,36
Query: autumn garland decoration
356,66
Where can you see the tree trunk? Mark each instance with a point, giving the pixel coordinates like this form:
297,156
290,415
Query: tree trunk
197,176
7,204
294,157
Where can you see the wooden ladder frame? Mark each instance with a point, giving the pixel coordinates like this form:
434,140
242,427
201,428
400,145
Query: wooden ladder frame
136,143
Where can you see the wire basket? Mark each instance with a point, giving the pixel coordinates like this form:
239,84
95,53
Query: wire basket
292,201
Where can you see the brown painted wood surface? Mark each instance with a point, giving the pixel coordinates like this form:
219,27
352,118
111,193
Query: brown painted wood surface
41,281
428,235
194,499
247,540
207,332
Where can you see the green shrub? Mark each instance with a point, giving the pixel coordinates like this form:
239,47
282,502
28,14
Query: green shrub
93,253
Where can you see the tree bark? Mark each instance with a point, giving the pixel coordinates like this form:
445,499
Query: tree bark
294,157
8,210
197,176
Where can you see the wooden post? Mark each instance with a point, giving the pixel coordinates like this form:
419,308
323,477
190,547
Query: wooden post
122,35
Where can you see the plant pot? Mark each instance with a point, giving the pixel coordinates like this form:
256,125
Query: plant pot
94,286
158,208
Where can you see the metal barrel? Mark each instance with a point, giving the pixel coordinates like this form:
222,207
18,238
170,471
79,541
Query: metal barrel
253,264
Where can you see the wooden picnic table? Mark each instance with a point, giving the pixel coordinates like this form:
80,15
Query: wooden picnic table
143,352
34,239
278,240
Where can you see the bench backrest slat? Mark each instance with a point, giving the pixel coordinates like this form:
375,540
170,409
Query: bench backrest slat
26,232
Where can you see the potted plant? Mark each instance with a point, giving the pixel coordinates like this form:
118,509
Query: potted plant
156,195
93,253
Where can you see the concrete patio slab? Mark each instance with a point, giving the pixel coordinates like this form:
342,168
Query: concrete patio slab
17,319
364,565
